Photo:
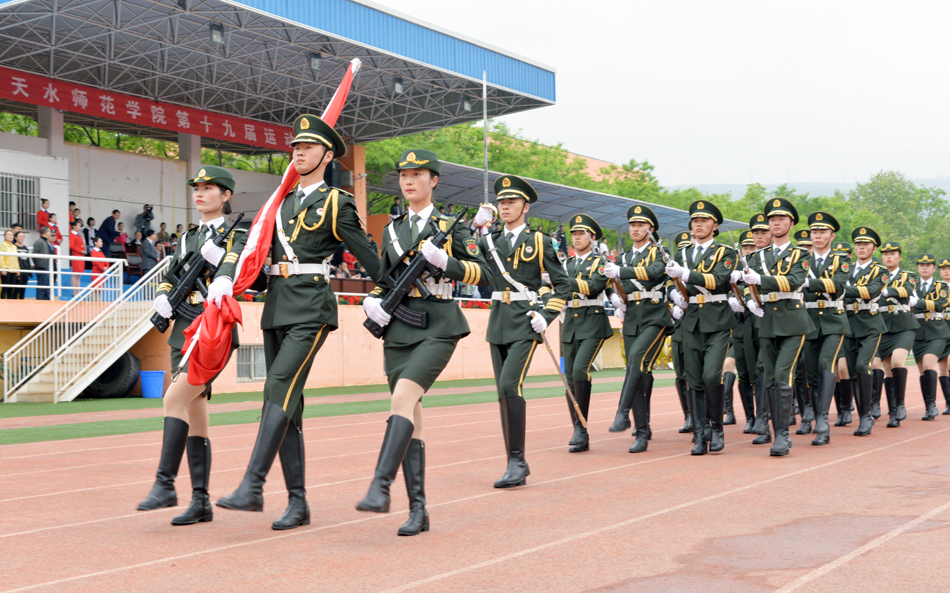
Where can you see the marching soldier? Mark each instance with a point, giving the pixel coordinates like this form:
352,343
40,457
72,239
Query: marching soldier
681,243
519,257
932,335
646,320
586,324
843,399
707,322
762,238
902,329
804,396
414,356
824,301
785,320
944,266
864,288
299,312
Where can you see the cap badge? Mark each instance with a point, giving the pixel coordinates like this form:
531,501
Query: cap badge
862,232
819,216
776,204
201,173
506,182
411,156
578,219
305,124
700,206
760,218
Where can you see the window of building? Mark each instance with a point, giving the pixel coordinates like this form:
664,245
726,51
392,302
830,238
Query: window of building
250,366
19,200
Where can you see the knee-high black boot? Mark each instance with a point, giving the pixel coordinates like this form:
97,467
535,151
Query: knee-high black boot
513,413
747,396
639,405
890,394
928,384
249,496
163,494
391,453
728,381
646,386
714,402
697,405
806,405
761,425
826,390
844,415
580,433
683,394
199,464
876,385
862,400
582,395
622,421
293,462
781,402
414,470
945,388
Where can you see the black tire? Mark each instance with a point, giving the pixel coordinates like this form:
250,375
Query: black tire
118,380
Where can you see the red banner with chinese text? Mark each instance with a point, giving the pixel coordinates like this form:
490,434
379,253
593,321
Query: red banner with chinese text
66,96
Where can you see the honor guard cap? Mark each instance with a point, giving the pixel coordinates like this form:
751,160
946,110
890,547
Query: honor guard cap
512,186
310,128
781,207
745,238
892,246
682,240
842,247
705,209
823,220
865,235
944,262
217,175
641,213
419,159
759,223
926,258
803,238
582,222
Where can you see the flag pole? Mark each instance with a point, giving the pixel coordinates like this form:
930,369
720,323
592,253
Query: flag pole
485,129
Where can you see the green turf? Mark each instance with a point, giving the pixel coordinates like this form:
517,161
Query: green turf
117,427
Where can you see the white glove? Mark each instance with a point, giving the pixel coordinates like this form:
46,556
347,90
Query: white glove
758,312
677,313
620,314
751,277
736,305
435,256
212,253
618,302
485,214
163,307
807,283
546,278
220,287
678,299
612,270
373,308
538,322
735,277
884,293
913,301
674,270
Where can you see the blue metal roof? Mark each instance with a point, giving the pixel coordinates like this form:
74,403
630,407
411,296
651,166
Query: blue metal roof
384,30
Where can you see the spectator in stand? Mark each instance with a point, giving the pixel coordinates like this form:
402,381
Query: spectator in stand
337,260
143,220
122,239
77,248
373,242
192,226
561,239
178,232
54,230
26,265
42,217
9,266
613,255
162,236
43,246
149,253
349,262
107,232
395,211
98,267
89,233
16,227
73,213
138,238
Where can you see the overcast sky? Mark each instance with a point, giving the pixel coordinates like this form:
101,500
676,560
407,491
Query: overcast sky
730,91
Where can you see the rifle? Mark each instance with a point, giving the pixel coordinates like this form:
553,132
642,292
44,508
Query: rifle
666,260
753,289
415,274
185,276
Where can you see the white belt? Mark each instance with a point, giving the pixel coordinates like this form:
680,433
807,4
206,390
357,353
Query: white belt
782,296
507,296
440,290
195,298
288,269
839,304
640,295
872,307
898,308
930,316
703,299
578,303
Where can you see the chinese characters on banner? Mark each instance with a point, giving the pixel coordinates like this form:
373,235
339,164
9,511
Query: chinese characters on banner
66,96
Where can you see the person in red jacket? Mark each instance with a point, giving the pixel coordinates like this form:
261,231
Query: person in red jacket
57,236
42,217
77,248
98,267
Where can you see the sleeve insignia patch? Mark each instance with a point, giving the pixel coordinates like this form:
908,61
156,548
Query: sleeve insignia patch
844,267
600,270
471,246
943,294
728,264
805,264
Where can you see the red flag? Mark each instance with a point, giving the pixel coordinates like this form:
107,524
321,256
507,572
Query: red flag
255,251
214,340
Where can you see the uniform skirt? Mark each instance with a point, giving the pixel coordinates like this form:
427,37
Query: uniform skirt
894,341
923,347
421,363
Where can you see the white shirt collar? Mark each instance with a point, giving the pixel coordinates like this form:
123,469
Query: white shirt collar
310,189
704,246
516,232
217,222
423,216
579,258
858,266
822,256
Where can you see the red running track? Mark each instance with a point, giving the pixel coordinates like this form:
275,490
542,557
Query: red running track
862,514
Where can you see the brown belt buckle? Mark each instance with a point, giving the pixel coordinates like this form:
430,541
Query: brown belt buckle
506,297
284,270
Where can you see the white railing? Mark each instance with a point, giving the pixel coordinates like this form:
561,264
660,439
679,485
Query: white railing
59,277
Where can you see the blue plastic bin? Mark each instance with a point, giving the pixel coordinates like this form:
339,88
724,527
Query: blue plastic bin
153,383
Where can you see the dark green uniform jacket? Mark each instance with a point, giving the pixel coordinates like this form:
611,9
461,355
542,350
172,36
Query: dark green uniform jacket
929,304
531,256
785,273
648,270
587,281
827,285
865,288
466,264
897,315
314,229
711,272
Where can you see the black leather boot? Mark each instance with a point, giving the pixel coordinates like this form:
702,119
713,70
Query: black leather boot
766,411
714,400
414,470
580,433
899,392
639,418
697,404
876,385
945,388
747,395
513,423
683,394
781,402
162,495
793,410
199,464
862,399
806,406
826,390
646,386
761,425
622,420
844,415
249,495
728,381
890,395
581,440
293,461
928,385
391,453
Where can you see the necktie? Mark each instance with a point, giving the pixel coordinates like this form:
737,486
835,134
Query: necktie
414,228
698,253
508,241
301,196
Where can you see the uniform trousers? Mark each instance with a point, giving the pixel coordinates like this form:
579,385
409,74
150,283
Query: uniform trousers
821,354
510,363
780,357
703,357
861,352
288,353
579,357
643,349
